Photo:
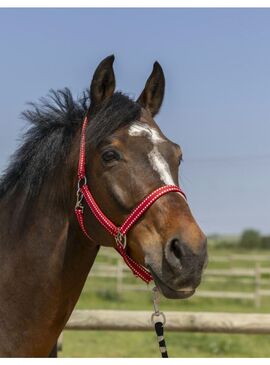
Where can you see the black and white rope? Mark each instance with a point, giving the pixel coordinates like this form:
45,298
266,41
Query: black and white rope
161,340
158,319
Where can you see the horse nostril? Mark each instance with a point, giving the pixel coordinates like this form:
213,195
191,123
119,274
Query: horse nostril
177,248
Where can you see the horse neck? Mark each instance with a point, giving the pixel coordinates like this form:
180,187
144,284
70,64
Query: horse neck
43,246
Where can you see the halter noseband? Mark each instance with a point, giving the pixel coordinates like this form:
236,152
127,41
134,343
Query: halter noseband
119,233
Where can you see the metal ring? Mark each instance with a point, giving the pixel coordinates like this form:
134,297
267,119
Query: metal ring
81,182
121,239
163,321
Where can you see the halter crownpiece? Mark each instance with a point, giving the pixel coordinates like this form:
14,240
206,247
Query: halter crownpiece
119,233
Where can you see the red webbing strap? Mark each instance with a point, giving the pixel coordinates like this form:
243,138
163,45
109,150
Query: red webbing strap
134,215
146,203
84,192
79,215
81,167
137,269
101,217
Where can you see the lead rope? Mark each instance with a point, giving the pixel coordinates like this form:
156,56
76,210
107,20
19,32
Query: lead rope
158,319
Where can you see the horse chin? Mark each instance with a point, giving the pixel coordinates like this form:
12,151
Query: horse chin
169,292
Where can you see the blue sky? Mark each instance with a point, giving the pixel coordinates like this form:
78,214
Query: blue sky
217,102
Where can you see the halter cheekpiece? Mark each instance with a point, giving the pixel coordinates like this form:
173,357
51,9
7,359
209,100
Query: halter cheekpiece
119,233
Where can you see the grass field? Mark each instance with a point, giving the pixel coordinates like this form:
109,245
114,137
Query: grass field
101,293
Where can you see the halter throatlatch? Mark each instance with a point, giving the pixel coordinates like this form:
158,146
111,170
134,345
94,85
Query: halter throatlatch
119,233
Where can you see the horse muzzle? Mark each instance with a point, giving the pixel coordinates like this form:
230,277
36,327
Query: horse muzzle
181,269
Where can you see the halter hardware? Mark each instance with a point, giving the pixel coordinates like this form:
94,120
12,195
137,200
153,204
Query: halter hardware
82,181
157,312
120,239
79,200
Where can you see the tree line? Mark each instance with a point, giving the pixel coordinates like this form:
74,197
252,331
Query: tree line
249,239
252,239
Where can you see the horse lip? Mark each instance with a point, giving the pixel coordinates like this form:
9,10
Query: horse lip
169,292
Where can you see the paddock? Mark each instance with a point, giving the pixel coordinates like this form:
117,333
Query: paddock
239,280
254,275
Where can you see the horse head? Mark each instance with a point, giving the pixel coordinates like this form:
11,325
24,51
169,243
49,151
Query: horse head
128,157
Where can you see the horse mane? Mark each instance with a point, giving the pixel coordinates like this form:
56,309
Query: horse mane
54,121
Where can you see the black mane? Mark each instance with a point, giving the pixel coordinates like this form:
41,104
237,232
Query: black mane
55,120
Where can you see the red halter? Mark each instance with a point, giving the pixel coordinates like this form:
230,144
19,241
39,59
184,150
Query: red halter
119,233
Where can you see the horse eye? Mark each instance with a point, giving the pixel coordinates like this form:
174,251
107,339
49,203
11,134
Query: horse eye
110,155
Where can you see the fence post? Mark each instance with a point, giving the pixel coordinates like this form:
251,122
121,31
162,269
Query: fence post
119,278
257,297
60,342
231,259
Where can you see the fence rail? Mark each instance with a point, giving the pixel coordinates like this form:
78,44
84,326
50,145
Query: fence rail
207,322
254,276
240,257
109,270
109,253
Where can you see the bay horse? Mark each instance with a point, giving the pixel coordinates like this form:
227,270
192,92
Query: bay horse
45,257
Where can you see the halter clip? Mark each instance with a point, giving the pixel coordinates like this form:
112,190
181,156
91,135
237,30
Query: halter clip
79,200
81,182
157,312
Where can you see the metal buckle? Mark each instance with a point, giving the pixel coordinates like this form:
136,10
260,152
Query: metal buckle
121,239
82,181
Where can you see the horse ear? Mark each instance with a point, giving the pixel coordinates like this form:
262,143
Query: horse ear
152,95
103,82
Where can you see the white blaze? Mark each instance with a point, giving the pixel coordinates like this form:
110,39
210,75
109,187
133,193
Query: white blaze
161,166
140,129
157,161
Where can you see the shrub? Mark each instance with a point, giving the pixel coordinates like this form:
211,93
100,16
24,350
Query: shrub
265,242
250,239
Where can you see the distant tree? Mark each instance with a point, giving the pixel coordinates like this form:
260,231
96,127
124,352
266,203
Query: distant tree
250,239
265,242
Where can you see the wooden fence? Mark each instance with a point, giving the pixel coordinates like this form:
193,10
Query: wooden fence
254,276
117,320
207,322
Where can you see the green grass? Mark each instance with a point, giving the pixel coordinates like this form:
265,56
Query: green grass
144,344
101,293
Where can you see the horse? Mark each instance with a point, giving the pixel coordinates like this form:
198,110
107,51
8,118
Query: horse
45,257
